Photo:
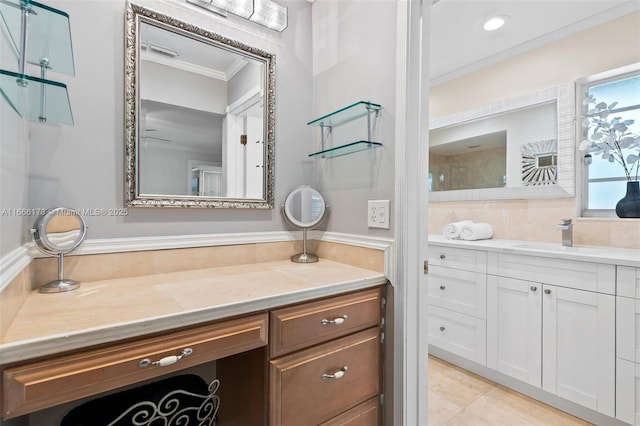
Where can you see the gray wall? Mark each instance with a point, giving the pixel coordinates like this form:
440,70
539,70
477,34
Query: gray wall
13,166
82,166
354,46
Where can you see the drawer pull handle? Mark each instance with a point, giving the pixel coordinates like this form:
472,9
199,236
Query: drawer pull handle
336,321
442,287
534,288
442,256
547,291
337,375
168,360
442,328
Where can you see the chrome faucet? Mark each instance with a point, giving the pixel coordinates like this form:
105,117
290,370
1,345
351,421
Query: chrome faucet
567,232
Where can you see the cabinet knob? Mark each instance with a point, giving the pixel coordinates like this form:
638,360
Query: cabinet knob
442,328
337,375
547,291
442,256
168,360
336,321
533,288
442,287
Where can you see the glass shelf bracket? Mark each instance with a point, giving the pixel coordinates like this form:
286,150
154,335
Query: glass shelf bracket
39,35
342,116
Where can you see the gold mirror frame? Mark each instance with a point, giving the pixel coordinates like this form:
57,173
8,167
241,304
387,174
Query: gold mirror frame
135,14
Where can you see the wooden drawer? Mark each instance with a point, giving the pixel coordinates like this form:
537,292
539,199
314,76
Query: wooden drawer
365,414
460,291
43,384
308,324
458,258
588,276
628,282
458,333
300,396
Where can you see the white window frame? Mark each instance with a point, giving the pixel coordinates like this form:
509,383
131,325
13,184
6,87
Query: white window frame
581,169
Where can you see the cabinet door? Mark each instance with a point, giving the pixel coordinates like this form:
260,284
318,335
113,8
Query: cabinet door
628,329
628,391
514,328
579,347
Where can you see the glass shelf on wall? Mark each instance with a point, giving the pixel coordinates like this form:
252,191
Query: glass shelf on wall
349,148
346,114
49,34
36,99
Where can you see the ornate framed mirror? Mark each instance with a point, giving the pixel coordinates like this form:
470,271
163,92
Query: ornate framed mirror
199,116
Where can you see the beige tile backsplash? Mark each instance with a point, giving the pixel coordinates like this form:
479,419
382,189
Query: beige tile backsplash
535,220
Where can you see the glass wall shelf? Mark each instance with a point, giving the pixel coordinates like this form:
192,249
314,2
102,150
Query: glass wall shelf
349,148
38,100
342,116
49,34
346,114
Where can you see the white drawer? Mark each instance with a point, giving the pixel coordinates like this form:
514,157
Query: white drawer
628,329
460,291
588,276
628,284
628,392
457,333
452,257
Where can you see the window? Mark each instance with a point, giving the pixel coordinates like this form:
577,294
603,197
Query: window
603,178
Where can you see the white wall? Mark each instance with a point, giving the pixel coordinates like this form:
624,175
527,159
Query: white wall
82,166
354,45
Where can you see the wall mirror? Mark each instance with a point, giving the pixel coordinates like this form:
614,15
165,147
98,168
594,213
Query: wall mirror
199,116
57,232
519,148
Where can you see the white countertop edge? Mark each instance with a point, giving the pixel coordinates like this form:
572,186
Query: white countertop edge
596,254
33,348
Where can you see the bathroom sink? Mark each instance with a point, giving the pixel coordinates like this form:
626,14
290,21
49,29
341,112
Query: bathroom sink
557,248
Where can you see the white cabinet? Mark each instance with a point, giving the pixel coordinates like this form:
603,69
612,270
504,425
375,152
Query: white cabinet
628,345
578,340
457,302
514,328
558,338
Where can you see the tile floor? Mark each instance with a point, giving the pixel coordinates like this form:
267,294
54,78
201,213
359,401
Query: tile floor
458,397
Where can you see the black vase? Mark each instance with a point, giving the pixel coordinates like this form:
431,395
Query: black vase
629,205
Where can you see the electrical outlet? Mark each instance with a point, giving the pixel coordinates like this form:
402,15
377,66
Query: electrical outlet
378,214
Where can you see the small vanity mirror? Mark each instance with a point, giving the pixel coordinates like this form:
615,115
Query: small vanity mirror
57,232
199,116
304,208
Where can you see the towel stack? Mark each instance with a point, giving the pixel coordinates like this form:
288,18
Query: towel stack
467,230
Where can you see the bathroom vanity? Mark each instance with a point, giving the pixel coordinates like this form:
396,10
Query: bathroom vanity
284,336
540,318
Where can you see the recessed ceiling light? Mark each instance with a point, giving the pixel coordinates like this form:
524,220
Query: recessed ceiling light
494,23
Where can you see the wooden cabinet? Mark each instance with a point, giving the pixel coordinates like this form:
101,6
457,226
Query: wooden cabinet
37,385
628,345
330,373
457,302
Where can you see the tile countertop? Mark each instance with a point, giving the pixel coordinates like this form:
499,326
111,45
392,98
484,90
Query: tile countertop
597,254
110,310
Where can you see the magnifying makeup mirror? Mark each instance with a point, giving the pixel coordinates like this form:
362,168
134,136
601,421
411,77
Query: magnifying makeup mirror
58,232
304,208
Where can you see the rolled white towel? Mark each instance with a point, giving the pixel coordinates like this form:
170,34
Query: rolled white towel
452,230
476,231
